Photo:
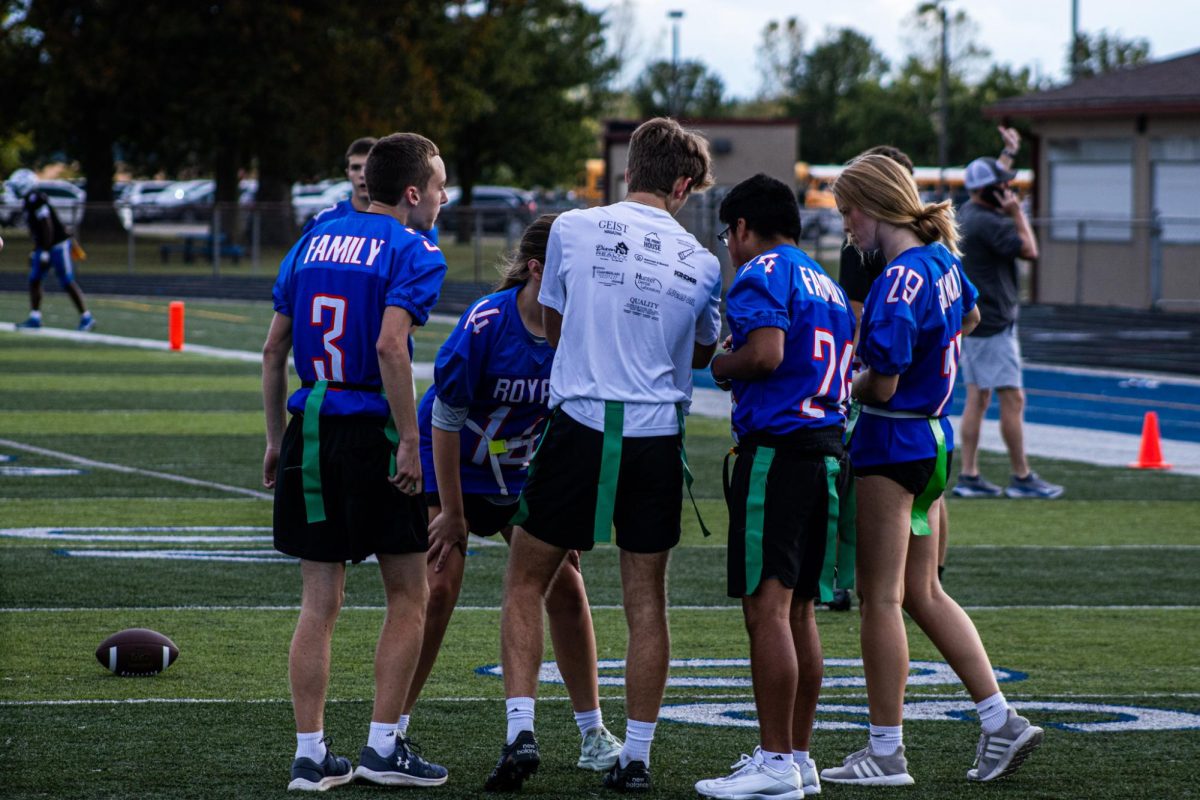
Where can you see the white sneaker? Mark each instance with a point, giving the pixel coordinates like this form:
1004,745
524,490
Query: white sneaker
867,769
1002,752
599,750
809,779
752,779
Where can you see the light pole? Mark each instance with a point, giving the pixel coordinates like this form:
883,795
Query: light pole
673,101
939,7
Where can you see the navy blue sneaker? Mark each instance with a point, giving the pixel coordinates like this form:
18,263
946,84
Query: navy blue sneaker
404,767
309,776
633,777
32,322
517,762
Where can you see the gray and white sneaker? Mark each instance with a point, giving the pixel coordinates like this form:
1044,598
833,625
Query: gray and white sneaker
1001,753
975,486
809,779
868,769
1032,487
599,750
752,779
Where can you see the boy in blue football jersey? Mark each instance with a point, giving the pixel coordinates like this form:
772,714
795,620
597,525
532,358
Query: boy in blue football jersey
913,323
360,199
480,424
347,471
791,345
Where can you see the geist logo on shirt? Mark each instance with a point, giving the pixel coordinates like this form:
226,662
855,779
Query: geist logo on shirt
647,283
618,253
612,227
652,243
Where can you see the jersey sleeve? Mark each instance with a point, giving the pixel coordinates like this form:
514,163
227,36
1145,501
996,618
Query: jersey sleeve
708,324
459,367
553,293
417,277
757,298
281,292
890,332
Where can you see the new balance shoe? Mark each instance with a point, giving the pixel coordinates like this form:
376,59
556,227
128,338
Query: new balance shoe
1032,487
517,762
809,779
599,751
975,486
867,769
1002,753
87,322
404,767
753,779
309,776
633,777
31,322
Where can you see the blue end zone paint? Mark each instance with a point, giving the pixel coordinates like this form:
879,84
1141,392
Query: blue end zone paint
1105,402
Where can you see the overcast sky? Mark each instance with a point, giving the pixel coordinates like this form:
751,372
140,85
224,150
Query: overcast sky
725,34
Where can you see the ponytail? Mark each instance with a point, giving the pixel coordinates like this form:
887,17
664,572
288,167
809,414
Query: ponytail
884,190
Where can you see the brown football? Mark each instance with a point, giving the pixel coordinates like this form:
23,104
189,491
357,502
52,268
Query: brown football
136,652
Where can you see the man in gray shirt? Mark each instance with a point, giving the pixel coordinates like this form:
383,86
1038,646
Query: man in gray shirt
995,234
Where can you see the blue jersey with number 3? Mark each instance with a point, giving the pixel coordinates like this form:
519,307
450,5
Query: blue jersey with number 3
784,288
492,366
335,284
912,327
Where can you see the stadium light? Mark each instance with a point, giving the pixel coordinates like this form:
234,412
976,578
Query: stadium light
673,103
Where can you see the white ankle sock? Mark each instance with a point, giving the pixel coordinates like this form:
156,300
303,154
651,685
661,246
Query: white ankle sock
993,712
520,715
35,315
780,762
382,738
586,720
886,739
800,756
638,736
402,725
311,745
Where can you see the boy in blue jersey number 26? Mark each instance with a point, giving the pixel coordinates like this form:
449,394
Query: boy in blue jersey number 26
911,336
791,345
480,424
347,471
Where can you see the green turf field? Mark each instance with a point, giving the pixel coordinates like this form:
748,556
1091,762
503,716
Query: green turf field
1090,606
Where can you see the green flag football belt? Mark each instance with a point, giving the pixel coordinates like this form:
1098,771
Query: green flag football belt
937,481
310,465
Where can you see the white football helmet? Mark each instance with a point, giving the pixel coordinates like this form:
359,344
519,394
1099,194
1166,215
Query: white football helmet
22,180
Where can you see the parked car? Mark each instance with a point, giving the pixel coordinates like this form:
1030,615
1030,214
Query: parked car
190,201
137,204
66,198
500,208
310,200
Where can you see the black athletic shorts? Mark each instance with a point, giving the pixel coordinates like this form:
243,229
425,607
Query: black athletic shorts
913,476
559,499
364,514
796,523
485,516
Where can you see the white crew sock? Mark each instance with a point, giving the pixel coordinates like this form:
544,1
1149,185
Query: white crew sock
311,745
800,756
638,736
586,720
382,738
35,315
993,712
886,739
520,715
402,725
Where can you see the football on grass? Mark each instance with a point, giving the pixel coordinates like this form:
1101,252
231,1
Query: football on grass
136,651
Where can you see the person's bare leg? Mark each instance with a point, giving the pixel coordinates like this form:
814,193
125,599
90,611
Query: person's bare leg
444,588
531,566
1012,428
644,588
308,657
972,423
399,644
76,294
772,662
572,634
810,670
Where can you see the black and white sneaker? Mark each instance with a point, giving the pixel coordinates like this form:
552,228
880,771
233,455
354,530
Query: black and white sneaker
310,776
404,767
633,777
518,761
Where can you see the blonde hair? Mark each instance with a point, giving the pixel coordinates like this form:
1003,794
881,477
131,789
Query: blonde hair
883,190
514,269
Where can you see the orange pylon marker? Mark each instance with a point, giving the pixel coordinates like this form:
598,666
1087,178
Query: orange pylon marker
175,325
1151,456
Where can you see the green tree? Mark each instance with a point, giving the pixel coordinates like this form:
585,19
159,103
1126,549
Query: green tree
1103,52
837,71
690,91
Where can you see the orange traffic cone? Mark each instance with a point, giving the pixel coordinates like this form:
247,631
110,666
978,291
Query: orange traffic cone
1150,456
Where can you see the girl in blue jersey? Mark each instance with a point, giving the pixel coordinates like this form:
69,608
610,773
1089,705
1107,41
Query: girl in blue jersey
913,322
480,423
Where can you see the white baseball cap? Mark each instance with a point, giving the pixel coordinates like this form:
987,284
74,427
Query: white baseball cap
984,172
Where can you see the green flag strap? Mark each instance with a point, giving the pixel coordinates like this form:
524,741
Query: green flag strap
610,469
829,570
756,508
852,415
937,482
688,478
310,472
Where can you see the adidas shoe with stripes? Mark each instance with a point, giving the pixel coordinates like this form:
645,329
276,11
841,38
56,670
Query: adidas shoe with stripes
868,769
1002,753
